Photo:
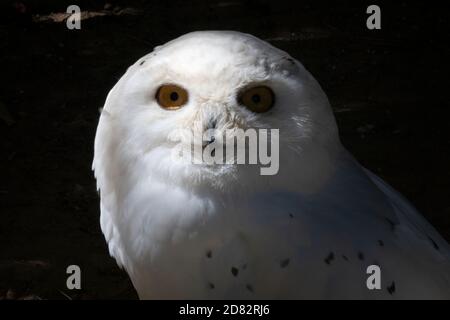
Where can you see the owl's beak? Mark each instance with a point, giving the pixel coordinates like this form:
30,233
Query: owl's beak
211,123
208,141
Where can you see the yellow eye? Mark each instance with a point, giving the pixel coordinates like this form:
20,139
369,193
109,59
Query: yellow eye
171,97
258,99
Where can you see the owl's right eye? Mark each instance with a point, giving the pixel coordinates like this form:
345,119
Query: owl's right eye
171,96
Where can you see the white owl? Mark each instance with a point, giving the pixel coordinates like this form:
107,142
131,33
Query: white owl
194,231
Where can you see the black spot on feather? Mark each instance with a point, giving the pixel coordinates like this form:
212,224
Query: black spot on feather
284,263
434,243
290,60
329,258
234,271
391,223
391,288
361,256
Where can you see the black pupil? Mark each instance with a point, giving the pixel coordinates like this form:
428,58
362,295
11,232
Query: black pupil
256,98
173,96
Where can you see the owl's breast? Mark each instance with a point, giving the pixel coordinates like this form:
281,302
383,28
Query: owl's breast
264,245
271,244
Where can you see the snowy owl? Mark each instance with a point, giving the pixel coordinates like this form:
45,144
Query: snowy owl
185,230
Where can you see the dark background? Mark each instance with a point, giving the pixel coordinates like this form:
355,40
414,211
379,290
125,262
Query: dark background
388,88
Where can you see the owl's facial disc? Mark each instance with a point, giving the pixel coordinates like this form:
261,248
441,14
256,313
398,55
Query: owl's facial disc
210,82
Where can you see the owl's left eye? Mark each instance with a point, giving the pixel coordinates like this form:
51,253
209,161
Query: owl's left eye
258,99
171,96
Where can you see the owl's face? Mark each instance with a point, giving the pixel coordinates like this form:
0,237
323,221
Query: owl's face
220,81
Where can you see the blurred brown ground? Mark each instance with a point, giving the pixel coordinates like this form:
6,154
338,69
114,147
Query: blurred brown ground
389,90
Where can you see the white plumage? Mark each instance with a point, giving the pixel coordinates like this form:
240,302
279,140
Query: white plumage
191,231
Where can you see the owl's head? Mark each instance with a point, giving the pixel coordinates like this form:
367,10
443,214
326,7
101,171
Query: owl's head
219,81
